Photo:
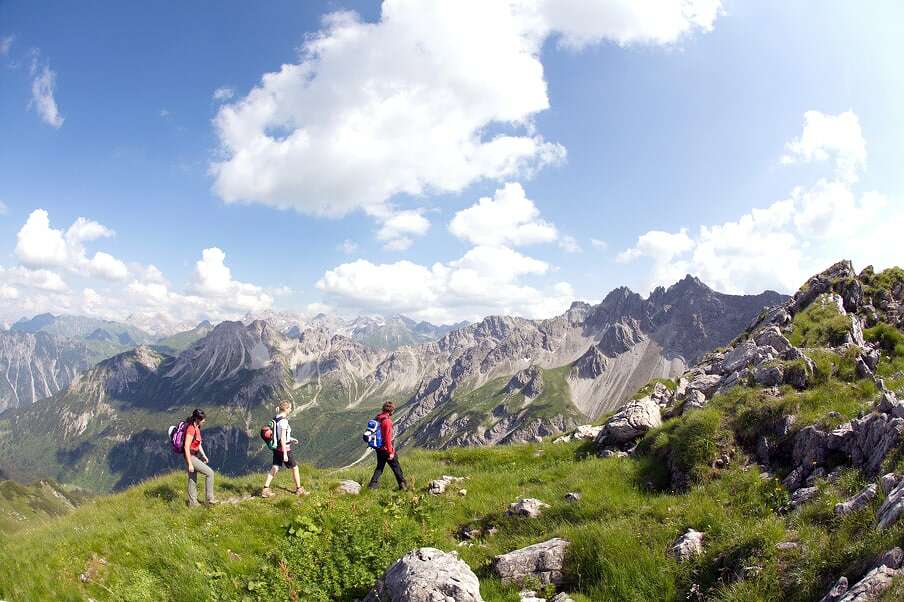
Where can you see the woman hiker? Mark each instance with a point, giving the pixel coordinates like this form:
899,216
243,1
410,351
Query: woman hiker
193,449
282,455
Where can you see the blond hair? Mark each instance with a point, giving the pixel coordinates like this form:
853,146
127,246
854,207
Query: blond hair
285,405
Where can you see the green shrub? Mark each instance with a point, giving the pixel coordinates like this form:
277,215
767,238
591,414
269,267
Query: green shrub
333,554
889,338
820,325
696,442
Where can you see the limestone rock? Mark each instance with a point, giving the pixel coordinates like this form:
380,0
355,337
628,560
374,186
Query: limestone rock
347,487
888,482
586,432
542,561
562,597
803,495
688,545
892,508
871,587
439,486
529,596
858,502
705,383
529,507
633,420
694,401
773,337
770,375
427,575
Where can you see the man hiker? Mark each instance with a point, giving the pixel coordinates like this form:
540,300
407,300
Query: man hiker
386,454
282,454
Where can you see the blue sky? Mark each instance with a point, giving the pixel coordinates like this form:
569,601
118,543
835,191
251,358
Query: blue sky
641,128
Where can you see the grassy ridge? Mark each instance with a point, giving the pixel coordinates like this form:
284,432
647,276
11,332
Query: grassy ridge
143,544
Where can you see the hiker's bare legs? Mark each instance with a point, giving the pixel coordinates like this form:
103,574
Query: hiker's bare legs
297,477
270,475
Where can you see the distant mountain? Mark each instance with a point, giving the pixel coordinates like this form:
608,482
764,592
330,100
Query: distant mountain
504,379
378,332
180,341
34,366
79,327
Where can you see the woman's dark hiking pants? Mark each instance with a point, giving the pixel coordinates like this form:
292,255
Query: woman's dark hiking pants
382,461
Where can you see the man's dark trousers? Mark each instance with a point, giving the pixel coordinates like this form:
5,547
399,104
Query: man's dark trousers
382,461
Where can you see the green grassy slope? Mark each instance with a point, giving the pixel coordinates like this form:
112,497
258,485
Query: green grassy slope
143,544
23,506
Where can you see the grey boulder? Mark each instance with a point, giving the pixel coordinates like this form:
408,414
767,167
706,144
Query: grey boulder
634,419
544,562
427,575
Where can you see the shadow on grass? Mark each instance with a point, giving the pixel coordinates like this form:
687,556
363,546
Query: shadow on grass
167,493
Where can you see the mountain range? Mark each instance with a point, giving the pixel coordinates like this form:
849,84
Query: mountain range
504,379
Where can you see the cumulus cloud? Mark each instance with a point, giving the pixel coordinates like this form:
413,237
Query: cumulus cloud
599,244
41,246
399,228
6,42
583,22
483,281
779,246
223,94
349,247
42,88
509,218
431,98
213,280
830,136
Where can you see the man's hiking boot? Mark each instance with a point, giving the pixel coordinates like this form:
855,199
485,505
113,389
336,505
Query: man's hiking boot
266,492
213,502
403,486
301,491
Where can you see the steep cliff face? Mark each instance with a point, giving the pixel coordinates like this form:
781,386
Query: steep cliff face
34,366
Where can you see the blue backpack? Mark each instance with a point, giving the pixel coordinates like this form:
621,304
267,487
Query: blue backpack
373,435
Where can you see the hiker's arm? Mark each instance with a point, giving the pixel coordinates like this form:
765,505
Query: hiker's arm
203,453
386,427
187,449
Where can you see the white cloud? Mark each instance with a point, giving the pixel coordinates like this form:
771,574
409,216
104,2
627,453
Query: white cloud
659,245
599,244
164,113
583,22
3,208
42,85
213,280
6,43
509,218
349,247
431,98
41,246
44,280
223,93
398,229
827,136
780,246
570,244
485,280
8,293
